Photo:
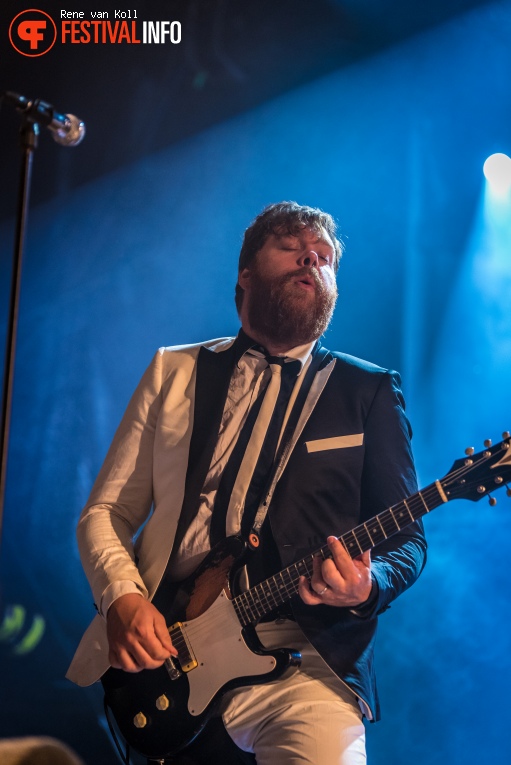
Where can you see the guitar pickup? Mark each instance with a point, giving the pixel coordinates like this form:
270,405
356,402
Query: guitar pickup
186,657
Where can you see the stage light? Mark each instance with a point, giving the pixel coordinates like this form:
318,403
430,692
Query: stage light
497,170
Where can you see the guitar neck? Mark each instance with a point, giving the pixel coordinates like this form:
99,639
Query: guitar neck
264,597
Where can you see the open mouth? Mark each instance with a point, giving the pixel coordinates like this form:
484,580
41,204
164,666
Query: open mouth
307,282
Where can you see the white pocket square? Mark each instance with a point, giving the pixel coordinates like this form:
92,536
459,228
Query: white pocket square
337,442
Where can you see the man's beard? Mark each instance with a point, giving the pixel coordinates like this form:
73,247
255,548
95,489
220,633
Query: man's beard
284,313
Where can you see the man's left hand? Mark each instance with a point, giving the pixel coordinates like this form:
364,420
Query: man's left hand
338,581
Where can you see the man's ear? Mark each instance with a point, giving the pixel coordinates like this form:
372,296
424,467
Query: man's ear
244,278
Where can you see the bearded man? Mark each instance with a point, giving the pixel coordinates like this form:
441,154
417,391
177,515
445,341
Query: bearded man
273,438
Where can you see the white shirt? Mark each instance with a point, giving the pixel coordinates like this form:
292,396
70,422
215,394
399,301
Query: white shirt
250,375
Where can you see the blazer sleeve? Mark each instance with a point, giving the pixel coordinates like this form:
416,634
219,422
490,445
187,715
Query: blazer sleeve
121,498
388,477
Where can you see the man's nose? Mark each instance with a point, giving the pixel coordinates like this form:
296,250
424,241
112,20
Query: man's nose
309,258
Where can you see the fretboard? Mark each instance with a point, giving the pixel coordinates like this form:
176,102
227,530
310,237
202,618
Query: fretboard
264,597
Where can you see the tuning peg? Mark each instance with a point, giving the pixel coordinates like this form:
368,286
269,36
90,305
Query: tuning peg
469,451
492,501
487,443
506,434
508,491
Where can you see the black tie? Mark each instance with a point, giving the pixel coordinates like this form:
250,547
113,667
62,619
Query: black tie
258,482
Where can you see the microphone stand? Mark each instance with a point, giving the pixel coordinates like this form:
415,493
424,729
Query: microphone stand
29,132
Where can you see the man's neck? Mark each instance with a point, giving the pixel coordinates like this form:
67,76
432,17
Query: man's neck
273,346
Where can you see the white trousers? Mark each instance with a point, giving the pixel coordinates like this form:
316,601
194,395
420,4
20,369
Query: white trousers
307,717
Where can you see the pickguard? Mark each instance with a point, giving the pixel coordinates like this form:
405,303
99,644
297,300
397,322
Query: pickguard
217,643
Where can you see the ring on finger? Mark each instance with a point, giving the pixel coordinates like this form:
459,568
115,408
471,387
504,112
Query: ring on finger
323,591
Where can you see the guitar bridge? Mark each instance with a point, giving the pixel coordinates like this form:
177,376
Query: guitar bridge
186,657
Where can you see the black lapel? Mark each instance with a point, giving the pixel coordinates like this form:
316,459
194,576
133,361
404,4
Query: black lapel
212,382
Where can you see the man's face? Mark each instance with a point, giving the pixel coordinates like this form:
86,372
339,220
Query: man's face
290,288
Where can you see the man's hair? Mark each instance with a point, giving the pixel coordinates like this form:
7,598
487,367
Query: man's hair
284,218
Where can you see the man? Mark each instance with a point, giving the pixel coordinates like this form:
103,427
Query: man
344,456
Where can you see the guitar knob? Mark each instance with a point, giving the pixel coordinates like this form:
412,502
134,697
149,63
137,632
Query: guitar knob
487,443
140,720
162,703
506,434
469,451
492,501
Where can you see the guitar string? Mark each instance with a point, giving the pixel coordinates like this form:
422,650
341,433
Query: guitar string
267,595
385,518
279,594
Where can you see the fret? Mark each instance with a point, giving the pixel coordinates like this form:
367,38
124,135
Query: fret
282,584
423,501
243,604
276,591
382,529
405,503
350,544
441,491
252,602
297,570
401,515
293,583
369,534
237,605
262,596
269,593
391,515
290,582
363,537
375,531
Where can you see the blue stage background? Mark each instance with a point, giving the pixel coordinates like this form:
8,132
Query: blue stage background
393,147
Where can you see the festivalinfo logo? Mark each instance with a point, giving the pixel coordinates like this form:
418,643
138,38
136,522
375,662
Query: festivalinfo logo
34,32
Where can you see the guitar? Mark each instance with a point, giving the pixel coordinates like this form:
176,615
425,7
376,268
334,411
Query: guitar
160,711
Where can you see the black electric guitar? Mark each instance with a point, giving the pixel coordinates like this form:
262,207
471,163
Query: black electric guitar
160,711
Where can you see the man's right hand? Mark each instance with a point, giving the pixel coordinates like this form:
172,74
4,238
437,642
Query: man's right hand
138,637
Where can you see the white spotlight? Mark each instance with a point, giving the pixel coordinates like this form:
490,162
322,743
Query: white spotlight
497,170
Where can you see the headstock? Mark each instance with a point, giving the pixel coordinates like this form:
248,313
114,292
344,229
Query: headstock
477,475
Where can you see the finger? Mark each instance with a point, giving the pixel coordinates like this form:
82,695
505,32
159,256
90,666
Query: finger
141,657
306,594
147,648
341,558
122,659
341,571
162,633
317,582
364,559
